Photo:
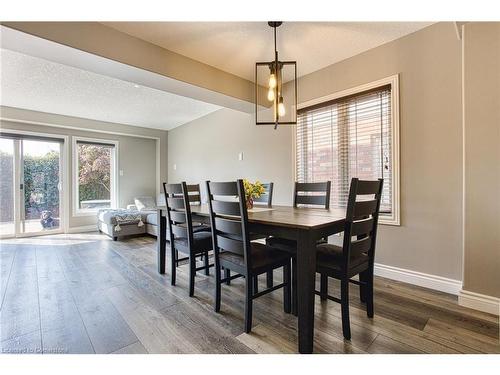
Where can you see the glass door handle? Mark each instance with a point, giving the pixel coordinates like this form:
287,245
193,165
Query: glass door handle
21,186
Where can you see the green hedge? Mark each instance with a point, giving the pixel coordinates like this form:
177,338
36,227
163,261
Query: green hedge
41,178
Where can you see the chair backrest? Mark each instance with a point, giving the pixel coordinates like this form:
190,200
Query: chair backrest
194,194
320,196
179,220
360,231
229,219
267,197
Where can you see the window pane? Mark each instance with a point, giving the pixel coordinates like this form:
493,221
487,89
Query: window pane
347,138
40,170
94,176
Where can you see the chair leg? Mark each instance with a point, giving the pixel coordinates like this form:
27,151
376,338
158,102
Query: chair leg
362,286
227,275
255,282
287,290
294,286
344,296
369,294
217,287
323,287
269,279
248,303
173,262
192,274
207,268
176,257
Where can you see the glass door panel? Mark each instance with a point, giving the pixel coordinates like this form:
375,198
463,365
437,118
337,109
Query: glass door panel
7,195
40,186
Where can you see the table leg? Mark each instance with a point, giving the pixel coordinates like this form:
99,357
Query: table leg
306,271
161,241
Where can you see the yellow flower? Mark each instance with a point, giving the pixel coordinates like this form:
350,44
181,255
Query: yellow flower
254,190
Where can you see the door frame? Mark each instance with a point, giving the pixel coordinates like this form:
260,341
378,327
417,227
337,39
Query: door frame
64,193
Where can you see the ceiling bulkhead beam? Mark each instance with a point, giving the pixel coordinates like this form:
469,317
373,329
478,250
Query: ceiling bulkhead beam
101,40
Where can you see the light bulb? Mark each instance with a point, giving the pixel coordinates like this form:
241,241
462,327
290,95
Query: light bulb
272,81
270,95
281,108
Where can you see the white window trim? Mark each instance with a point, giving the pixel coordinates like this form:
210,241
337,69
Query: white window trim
76,211
395,217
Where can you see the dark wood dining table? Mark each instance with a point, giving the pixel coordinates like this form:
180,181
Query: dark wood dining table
304,225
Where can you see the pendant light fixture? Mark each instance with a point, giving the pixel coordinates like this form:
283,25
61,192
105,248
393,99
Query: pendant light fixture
276,89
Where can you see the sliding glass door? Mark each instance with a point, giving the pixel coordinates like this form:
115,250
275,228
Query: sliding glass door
31,185
7,188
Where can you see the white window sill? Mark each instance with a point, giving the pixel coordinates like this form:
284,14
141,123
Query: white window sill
81,213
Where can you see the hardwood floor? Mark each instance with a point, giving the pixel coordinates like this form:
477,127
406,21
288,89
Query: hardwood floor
83,293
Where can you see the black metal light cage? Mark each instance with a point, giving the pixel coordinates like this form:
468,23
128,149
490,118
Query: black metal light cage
275,67
275,123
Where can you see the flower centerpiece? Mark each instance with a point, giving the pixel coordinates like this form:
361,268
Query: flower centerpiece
253,190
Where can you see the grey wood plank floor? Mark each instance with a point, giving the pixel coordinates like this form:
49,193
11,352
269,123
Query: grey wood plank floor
84,293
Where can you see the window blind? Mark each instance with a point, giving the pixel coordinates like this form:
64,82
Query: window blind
345,138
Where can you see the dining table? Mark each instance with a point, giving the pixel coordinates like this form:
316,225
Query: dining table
304,225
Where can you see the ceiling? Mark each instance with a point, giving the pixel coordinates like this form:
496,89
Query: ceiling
37,84
235,46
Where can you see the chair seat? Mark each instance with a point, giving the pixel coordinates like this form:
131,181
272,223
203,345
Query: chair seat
286,244
198,227
202,241
263,257
330,256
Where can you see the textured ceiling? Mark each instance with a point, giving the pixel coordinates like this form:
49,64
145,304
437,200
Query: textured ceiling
36,84
235,46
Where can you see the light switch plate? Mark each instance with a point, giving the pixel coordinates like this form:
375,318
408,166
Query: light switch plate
240,156
175,167
121,172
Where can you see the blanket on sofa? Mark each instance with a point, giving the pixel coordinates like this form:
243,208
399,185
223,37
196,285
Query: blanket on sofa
124,217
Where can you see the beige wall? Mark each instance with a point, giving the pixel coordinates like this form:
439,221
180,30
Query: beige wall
137,156
482,158
208,148
429,239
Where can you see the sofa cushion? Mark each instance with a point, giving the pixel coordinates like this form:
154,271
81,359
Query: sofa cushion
145,203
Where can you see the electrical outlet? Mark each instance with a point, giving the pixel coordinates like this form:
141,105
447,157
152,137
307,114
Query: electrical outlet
121,172
175,167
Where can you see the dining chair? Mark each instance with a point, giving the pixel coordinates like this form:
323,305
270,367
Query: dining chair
356,256
265,199
234,251
182,237
310,194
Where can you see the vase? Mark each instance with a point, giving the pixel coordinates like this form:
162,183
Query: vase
249,203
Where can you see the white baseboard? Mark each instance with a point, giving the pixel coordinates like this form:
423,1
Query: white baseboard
479,302
84,228
425,280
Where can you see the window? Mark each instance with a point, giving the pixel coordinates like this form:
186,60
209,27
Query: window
94,175
352,134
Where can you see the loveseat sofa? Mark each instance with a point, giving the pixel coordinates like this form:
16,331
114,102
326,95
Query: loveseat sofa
137,218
